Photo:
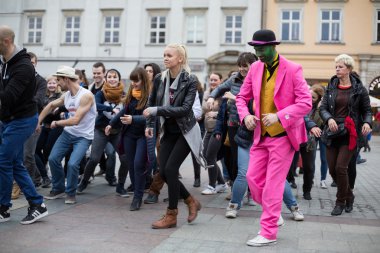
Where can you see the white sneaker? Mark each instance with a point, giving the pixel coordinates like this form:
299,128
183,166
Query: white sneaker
323,184
297,215
232,210
280,221
260,241
221,188
209,190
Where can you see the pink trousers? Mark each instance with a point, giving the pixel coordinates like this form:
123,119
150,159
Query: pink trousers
269,164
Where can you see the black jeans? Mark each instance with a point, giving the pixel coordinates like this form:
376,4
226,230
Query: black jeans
233,169
211,147
173,151
308,165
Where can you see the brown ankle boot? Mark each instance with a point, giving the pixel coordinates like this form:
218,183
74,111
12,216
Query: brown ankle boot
16,191
169,220
194,206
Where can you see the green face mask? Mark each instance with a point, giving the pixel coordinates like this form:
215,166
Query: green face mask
266,54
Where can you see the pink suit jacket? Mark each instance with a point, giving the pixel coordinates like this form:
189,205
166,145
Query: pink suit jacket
291,97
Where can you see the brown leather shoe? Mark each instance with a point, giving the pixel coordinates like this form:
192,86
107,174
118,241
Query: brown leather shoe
15,191
169,220
194,206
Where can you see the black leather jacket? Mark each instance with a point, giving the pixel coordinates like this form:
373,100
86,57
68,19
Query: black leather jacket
182,106
359,103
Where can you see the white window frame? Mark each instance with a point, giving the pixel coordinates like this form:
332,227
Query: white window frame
112,29
198,29
233,30
331,22
34,30
291,22
157,30
377,25
72,30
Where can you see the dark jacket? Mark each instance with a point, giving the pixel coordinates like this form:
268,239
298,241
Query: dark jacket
359,104
41,87
101,120
233,85
181,109
244,137
53,115
17,88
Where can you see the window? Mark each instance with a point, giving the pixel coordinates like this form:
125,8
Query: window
233,26
195,25
72,29
112,29
377,26
34,29
290,25
157,29
331,25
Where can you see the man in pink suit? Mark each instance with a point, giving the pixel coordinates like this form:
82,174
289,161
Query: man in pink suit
281,98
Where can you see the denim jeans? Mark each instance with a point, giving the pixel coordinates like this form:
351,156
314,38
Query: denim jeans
322,154
240,185
110,152
288,197
14,135
66,142
151,149
100,142
136,153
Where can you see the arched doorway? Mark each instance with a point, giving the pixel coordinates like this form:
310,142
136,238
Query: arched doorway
223,62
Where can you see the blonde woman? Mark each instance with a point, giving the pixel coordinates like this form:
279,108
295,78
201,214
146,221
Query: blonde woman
346,111
172,99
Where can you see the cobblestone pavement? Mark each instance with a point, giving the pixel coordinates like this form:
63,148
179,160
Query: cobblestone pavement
102,222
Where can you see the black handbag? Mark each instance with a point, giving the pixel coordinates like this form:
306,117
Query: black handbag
338,133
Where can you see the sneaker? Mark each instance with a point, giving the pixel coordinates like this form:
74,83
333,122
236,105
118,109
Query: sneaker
250,201
151,199
361,160
82,186
209,191
333,184
35,212
297,215
232,210
260,241
46,182
221,188
120,191
293,185
197,182
4,214
323,184
112,182
70,200
280,221
55,195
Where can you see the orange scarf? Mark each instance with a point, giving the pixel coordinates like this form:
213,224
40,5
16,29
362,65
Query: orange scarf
136,94
113,94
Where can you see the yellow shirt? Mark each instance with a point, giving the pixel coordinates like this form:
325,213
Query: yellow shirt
267,104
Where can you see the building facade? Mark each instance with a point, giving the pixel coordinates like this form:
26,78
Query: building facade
314,32
128,33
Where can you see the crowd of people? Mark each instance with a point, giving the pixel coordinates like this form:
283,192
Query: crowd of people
255,123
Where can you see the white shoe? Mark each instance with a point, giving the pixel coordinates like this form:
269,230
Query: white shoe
209,190
297,215
221,188
232,210
323,184
250,201
260,241
280,221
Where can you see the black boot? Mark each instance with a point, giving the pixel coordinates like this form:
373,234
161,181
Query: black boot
338,209
349,206
136,204
82,186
